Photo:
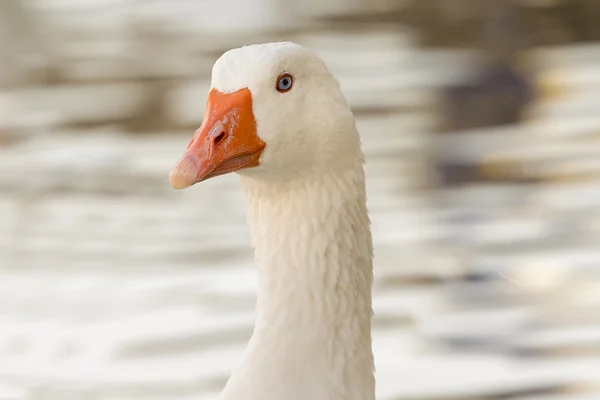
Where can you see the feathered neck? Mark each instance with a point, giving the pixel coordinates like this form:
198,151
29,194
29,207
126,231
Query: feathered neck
312,338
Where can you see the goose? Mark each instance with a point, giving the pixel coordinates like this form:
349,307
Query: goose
276,116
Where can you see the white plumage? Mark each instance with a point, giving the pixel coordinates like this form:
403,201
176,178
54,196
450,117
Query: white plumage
301,171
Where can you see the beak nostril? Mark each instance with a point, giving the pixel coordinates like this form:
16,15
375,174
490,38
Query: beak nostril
219,138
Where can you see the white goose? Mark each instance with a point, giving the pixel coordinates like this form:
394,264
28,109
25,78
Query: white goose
276,116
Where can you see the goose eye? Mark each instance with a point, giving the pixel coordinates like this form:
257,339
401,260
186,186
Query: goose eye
284,83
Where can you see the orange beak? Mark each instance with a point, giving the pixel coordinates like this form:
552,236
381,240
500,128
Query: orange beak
226,142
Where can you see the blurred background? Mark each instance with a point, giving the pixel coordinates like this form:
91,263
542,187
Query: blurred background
481,124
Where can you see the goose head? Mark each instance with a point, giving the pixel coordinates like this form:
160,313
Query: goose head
274,111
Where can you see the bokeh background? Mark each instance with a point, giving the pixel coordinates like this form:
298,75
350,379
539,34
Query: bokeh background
481,124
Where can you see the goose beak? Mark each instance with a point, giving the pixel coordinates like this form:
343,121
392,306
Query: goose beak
227,140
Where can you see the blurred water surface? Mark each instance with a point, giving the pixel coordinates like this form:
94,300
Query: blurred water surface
114,286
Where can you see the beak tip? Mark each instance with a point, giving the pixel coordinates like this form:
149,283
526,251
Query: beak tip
179,180
185,172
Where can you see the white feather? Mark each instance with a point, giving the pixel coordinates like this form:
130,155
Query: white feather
306,206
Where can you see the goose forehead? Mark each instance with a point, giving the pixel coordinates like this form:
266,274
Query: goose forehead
249,66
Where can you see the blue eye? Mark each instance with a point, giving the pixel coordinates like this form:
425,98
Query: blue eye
284,82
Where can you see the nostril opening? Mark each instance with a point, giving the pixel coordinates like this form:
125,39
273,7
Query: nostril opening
219,138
